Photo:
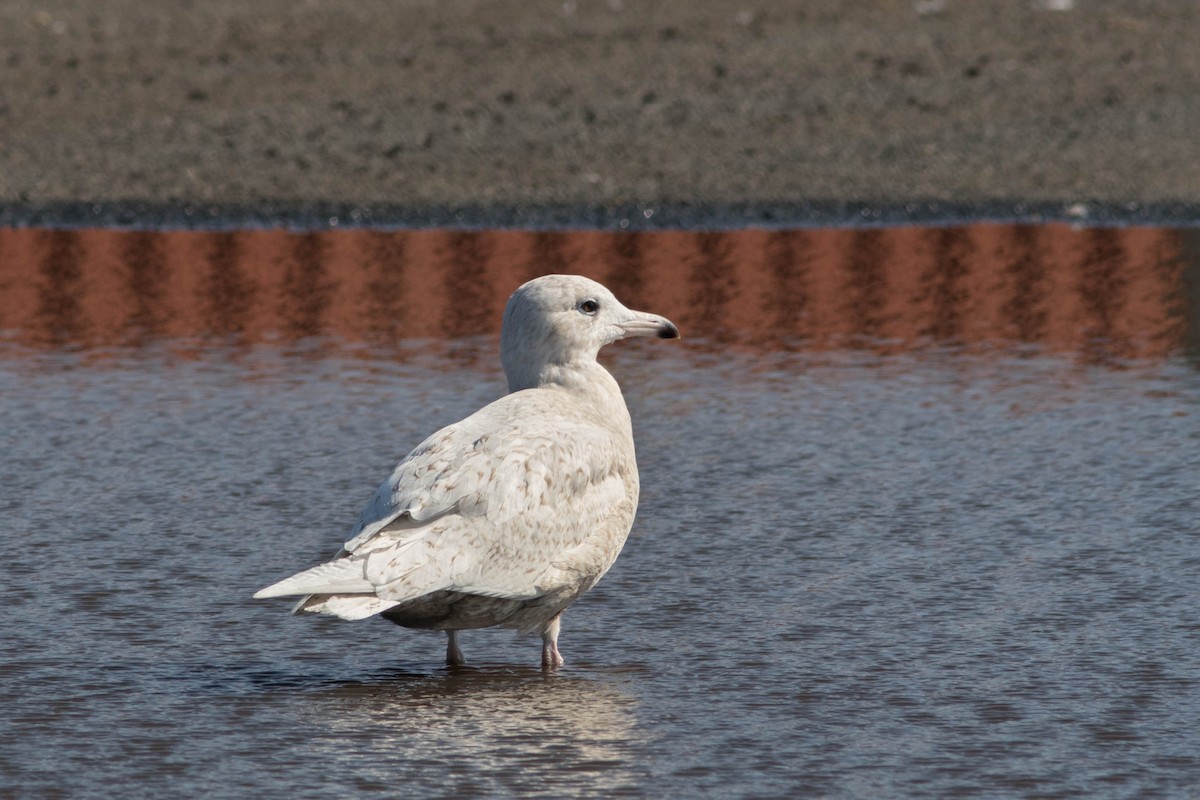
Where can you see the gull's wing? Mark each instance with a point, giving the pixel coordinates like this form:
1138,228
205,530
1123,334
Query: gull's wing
519,499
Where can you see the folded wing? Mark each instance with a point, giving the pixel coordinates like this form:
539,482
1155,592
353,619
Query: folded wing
493,506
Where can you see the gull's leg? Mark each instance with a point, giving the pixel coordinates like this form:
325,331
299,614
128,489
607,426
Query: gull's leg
454,653
551,658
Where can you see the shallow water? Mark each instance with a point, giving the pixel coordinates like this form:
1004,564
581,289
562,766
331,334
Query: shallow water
937,564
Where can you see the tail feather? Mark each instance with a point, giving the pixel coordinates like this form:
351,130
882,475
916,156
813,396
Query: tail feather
343,576
346,606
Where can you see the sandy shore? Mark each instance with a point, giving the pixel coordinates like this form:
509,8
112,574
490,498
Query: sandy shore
600,112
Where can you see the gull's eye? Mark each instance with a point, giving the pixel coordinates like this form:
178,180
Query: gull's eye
588,306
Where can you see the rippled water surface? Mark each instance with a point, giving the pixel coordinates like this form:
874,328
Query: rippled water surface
905,531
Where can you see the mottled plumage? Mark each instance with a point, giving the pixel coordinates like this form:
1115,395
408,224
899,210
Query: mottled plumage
508,516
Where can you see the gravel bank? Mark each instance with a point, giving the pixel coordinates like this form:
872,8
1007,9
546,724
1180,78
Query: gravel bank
478,110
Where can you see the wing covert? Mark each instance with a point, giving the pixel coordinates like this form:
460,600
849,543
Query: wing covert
502,510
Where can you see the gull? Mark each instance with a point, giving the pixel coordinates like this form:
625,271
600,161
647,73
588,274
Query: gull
508,516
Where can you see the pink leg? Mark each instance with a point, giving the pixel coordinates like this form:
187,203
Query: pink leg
454,653
551,658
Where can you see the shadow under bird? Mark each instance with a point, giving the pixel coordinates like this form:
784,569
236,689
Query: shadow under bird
508,516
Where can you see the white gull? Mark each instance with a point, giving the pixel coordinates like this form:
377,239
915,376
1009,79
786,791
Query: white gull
508,516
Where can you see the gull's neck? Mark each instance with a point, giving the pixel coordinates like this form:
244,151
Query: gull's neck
587,380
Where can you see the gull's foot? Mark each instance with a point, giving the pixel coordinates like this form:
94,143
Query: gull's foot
551,658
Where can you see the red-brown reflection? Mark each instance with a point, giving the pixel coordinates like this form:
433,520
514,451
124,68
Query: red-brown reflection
786,295
1102,293
60,291
229,294
145,283
1024,272
382,298
865,286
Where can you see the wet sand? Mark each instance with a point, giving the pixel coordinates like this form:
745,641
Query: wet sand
607,113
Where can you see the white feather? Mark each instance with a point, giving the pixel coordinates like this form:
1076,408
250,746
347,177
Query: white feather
346,606
333,577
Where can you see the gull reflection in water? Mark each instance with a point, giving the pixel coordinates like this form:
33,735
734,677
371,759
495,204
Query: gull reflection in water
472,731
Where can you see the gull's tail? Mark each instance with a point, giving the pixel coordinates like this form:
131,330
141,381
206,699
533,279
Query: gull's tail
343,576
337,588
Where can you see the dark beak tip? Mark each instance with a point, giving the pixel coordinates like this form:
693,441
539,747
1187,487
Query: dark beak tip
668,331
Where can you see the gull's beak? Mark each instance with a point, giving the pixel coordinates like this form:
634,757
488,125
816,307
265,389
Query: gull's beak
643,324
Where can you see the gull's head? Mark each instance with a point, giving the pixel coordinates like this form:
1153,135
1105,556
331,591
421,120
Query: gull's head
564,320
